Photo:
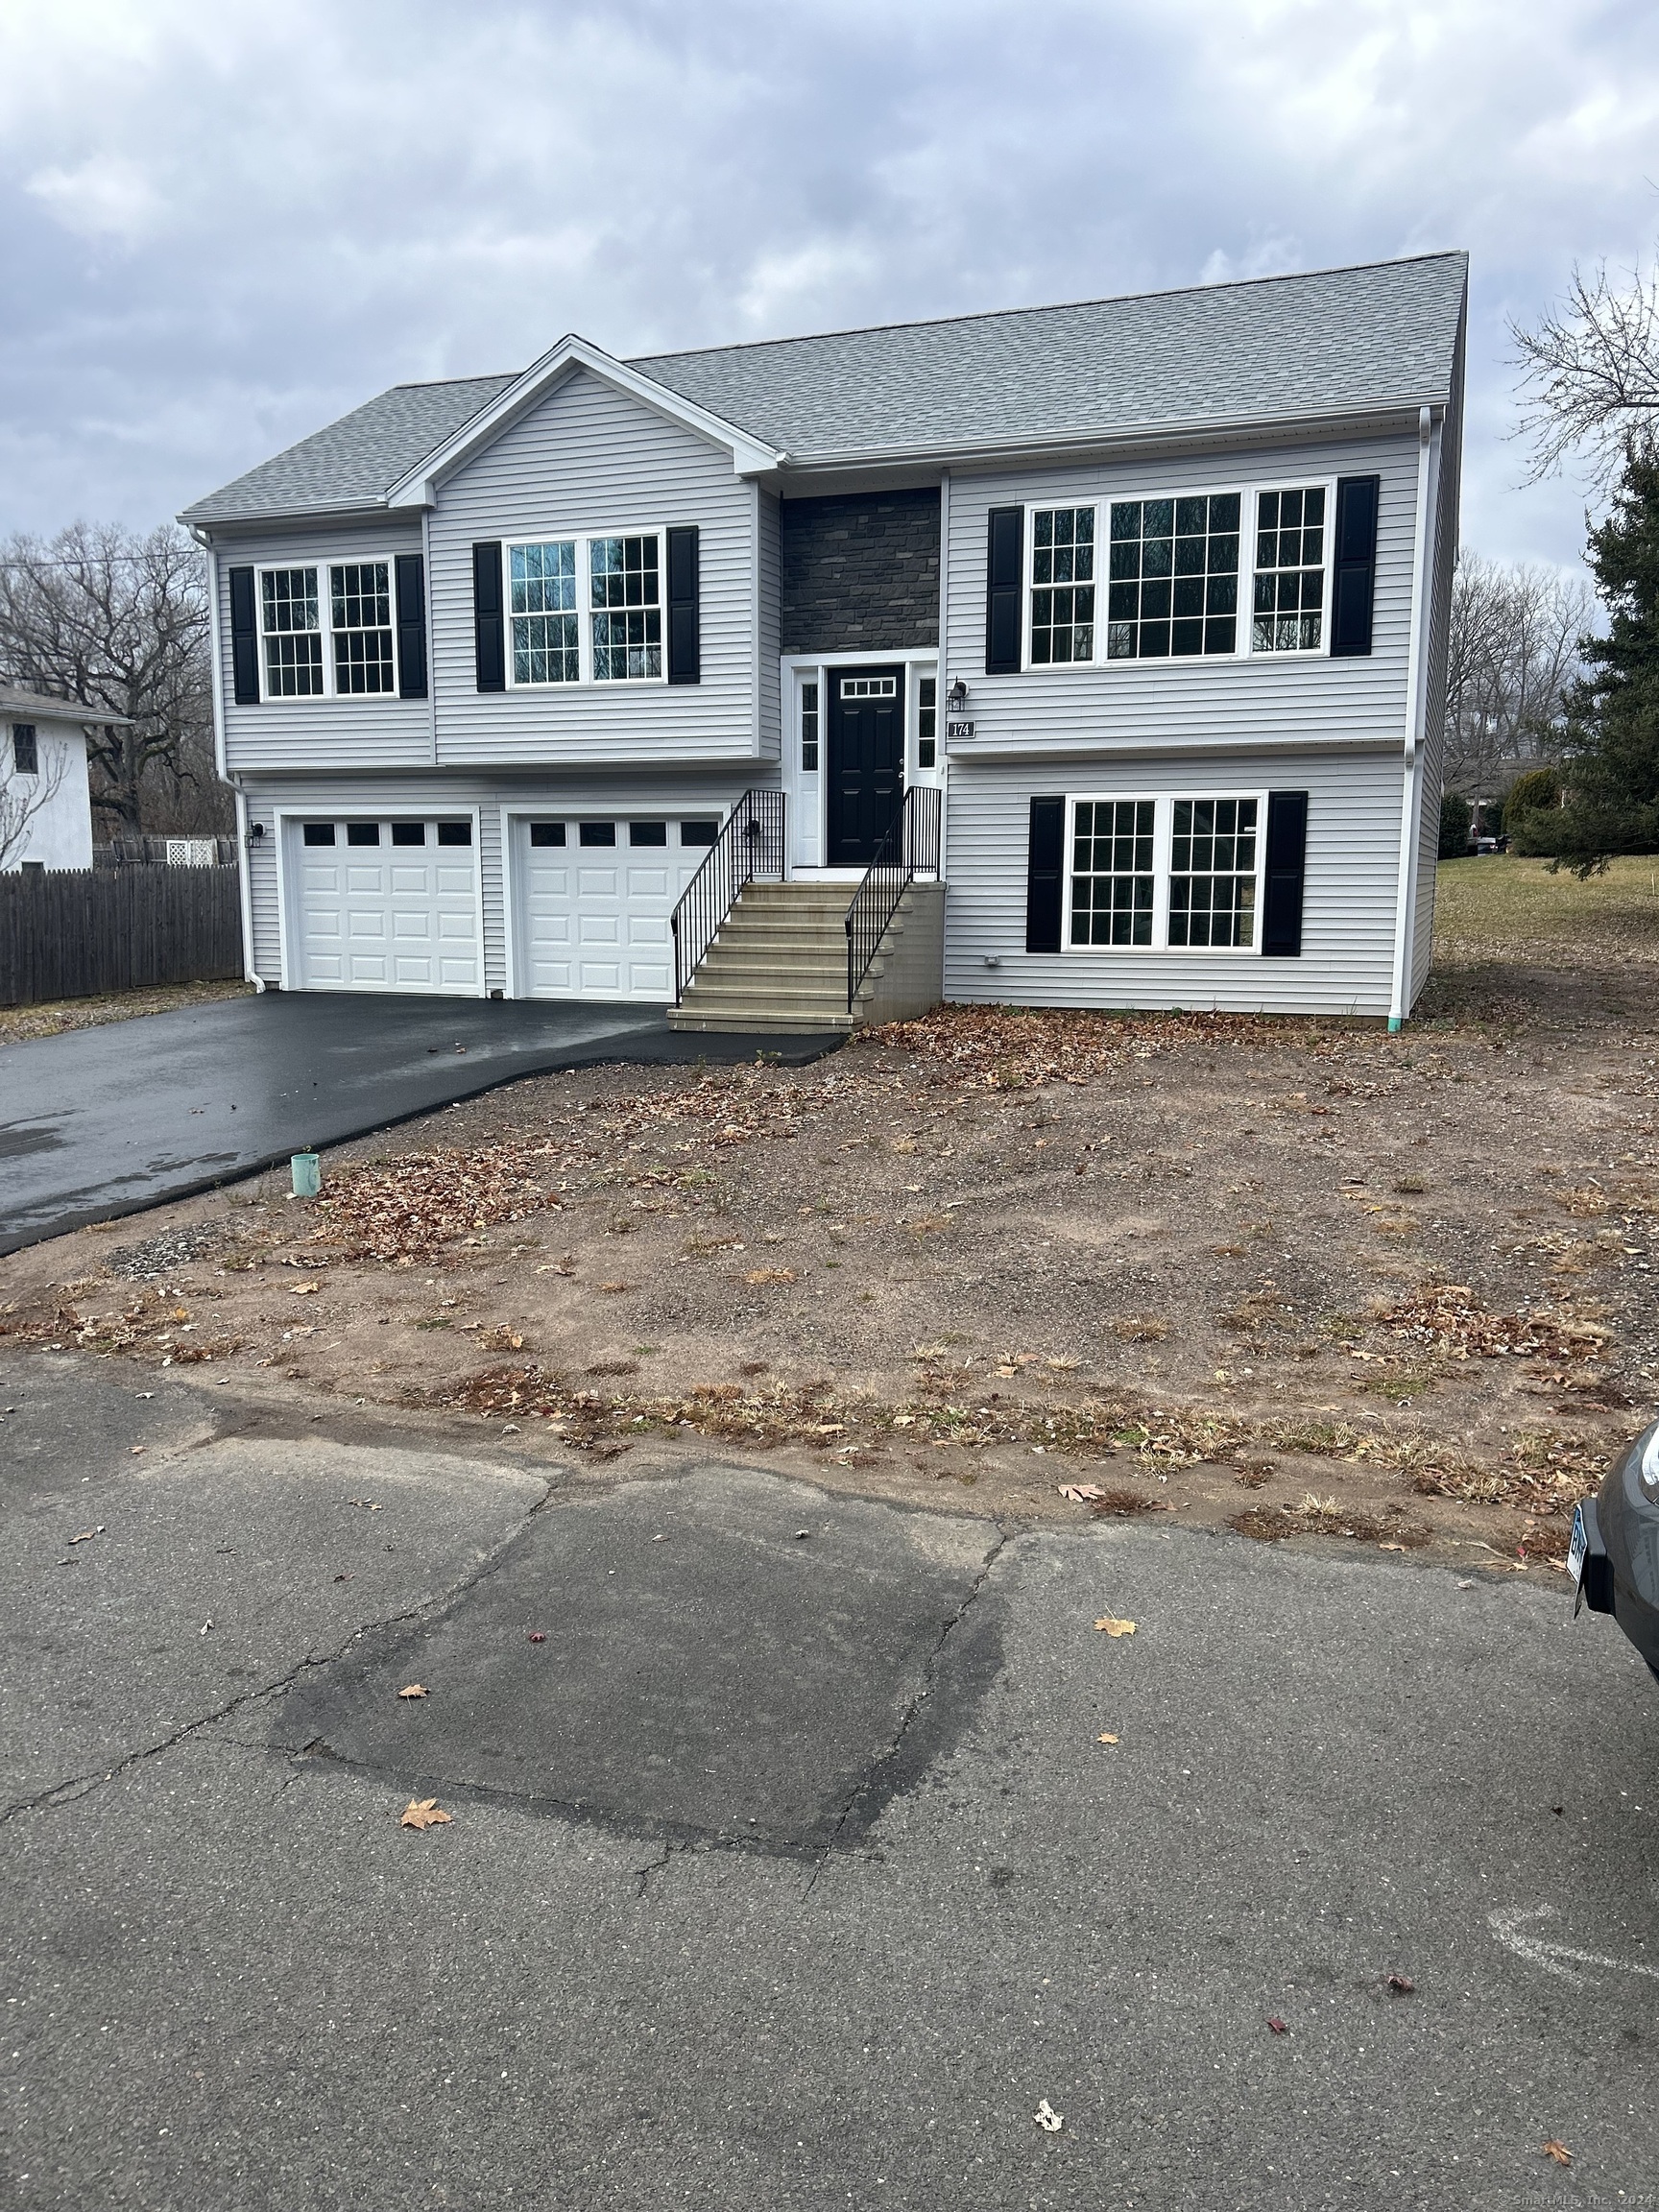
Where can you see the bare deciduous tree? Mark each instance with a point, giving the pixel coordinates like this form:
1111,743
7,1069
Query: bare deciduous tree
23,796
118,623
1513,654
1590,373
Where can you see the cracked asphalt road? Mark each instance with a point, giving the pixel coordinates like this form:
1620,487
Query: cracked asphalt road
787,1872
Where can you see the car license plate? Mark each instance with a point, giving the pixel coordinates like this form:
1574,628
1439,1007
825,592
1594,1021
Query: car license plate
1577,1550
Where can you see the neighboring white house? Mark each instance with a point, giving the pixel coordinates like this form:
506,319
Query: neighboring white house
521,679
45,808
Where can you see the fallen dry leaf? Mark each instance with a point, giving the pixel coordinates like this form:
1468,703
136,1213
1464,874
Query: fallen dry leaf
86,1535
414,1690
1080,1493
611,1288
424,1813
770,1275
304,1290
1113,1628
1048,2118
1277,2025
1105,1738
1558,2151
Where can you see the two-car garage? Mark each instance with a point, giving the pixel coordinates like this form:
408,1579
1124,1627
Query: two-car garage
395,903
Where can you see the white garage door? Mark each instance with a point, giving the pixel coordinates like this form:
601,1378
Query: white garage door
389,905
594,898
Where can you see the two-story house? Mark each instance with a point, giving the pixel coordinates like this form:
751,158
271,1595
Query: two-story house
1086,656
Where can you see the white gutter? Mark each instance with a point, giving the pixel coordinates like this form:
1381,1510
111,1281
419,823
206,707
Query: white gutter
244,887
1416,675
942,685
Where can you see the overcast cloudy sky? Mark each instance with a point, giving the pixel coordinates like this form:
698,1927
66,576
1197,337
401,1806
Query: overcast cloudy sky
222,225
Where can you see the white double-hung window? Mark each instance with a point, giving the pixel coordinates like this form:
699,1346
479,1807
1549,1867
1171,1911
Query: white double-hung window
1164,873
1287,607
327,631
586,610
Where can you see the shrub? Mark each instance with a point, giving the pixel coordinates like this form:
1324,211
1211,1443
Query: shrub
1537,792
1456,815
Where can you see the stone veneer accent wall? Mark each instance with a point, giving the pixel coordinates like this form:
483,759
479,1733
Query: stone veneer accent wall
861,572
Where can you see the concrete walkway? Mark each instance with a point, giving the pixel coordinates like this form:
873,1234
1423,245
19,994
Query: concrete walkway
104,1122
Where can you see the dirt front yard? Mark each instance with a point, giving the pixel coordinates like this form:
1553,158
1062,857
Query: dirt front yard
1302,1276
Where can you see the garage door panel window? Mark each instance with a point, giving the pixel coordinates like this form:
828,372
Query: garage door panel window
1164,873
702,833
362,832
597,834
546,833
319,833
408,832
454,832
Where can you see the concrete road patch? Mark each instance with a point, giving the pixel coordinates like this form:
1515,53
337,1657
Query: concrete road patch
726,1655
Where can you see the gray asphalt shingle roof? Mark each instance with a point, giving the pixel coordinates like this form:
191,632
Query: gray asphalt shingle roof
1340,340
355,461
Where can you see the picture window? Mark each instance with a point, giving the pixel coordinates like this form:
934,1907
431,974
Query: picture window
1062,584
1288,605
1172,577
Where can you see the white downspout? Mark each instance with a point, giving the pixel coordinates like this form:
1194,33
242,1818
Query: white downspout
942,687
221,761
1416,674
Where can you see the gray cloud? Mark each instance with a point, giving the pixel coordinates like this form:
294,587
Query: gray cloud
222,226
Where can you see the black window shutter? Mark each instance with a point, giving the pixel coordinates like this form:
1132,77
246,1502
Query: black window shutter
1353,584
1004,576
489,630
1286,863
244,639
684,639
1045,873
411,626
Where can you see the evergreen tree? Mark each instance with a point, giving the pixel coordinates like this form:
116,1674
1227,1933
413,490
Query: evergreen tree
1612,725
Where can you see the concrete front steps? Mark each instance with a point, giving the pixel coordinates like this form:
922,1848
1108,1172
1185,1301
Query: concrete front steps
779,963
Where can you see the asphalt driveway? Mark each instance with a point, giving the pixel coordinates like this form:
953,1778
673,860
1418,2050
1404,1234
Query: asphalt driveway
105,1121
802,1847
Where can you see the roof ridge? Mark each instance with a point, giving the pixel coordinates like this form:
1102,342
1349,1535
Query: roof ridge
433,383
1050,307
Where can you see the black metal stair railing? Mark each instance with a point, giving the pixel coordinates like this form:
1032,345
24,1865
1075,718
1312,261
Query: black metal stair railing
751,846
910,849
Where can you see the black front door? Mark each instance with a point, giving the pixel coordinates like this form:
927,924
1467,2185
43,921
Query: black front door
866,760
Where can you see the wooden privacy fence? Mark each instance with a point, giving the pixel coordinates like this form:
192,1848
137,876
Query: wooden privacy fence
72,932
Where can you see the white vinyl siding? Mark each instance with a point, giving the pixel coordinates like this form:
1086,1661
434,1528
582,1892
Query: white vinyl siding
1213,701
587,459
1346,963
